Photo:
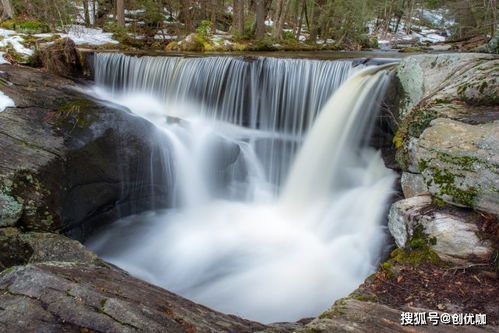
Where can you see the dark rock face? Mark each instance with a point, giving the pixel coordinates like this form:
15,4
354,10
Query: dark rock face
71,163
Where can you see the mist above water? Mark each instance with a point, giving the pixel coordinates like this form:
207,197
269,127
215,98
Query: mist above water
258,228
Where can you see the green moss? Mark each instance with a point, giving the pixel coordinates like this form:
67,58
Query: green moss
29,26
419,121
337,310
398,140
464,162
447,186
411,50
366,298
415,257
18,57
438,202
417,251
7,270
387,268
264,45
76,113
422,165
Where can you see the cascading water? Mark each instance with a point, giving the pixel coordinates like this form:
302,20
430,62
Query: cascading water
279,97
236,240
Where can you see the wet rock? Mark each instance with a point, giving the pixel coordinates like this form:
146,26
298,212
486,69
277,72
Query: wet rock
70,297
452,232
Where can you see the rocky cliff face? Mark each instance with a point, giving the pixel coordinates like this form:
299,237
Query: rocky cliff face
448,141
70,162
449,119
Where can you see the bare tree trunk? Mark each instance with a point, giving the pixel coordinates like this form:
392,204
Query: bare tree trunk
120,12
300,20
493,10
260,19
281,9
238,18
186,11
316,18
8,10
214,11
86,10
410,15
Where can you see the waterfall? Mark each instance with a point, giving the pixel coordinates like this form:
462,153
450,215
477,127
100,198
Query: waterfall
258,228
275,96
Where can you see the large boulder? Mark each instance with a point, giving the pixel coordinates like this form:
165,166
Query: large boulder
451,232
69,162
460,163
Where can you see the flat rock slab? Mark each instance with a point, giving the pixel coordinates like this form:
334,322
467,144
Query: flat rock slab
69,297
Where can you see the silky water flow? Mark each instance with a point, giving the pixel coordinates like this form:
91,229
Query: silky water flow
277,199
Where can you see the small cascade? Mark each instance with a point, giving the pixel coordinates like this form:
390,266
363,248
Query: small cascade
332,144
236,240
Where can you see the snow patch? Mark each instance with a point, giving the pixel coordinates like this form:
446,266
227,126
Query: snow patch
11,37
3,60
83,35
5,102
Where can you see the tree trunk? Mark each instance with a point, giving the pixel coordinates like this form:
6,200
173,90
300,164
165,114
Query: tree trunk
300,20
214,11
8,10
281,10
316,19
238,17
186,14
86,10
260,19
120,12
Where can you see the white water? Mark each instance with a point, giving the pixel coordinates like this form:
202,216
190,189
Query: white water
234,243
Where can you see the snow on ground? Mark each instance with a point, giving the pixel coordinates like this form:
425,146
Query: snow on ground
11,37
436,31
5,102
164,37
83,35
2,59
438,17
